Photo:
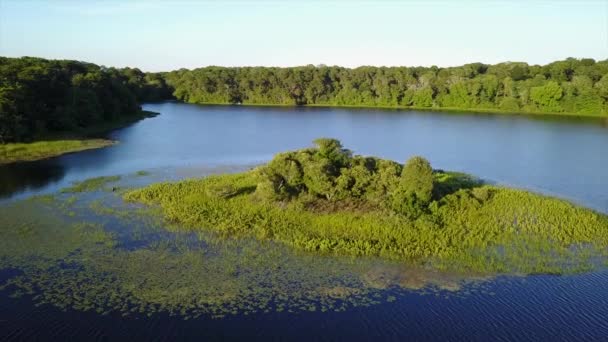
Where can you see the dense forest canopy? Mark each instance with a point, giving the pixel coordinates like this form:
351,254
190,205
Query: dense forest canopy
39,96
571,86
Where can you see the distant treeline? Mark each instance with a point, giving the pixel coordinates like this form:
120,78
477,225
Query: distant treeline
570,86
39,96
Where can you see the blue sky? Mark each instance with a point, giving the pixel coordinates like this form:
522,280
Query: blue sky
156,36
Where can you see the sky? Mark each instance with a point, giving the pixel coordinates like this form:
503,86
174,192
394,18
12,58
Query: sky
168,35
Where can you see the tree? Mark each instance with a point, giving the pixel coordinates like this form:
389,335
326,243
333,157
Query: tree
415,189
282,178
547,96
332,150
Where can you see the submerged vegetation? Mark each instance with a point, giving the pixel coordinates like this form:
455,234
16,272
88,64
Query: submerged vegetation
325,200
14,152
90,251
91,184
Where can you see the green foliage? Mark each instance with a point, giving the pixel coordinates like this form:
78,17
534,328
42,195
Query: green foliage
415,189
417,178
513,87
282,178
91,184
39,96
445,220
331,149
547,96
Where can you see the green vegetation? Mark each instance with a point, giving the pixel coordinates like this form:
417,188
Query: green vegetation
14,152
58,143
41,97
571,86
90,251
327,201
91,184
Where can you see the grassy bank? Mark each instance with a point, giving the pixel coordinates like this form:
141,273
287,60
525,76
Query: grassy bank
18,152
462,225
56,144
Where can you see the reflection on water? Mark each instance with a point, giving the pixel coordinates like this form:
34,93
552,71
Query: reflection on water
29,176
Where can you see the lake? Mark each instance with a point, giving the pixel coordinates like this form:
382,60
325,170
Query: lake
563,157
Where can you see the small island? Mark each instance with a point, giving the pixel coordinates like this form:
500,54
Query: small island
326,200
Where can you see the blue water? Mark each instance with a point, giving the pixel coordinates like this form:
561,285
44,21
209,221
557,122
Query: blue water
562,157
557,156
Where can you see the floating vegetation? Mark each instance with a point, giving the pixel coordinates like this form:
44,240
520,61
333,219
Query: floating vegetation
93,252
91,184
142,173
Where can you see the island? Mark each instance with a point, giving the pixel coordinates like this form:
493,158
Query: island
326,200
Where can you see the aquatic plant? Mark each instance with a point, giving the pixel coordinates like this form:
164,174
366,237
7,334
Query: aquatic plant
91,184
111,257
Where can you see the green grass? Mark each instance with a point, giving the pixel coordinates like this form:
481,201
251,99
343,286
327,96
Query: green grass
17,152
484,229
91,184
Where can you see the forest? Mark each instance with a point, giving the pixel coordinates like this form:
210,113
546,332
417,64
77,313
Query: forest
576,86
39,96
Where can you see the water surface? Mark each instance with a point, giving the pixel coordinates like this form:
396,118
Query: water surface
557,156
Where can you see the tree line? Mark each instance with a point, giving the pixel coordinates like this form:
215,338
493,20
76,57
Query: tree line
39,96
570,86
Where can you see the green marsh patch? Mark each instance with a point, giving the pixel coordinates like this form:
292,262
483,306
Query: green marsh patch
92,184
325,201
17,152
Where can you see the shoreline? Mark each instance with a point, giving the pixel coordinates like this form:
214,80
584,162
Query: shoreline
449,110
61,143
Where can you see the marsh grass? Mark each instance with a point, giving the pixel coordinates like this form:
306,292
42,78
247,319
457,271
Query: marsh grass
478,228
92,184
16,152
